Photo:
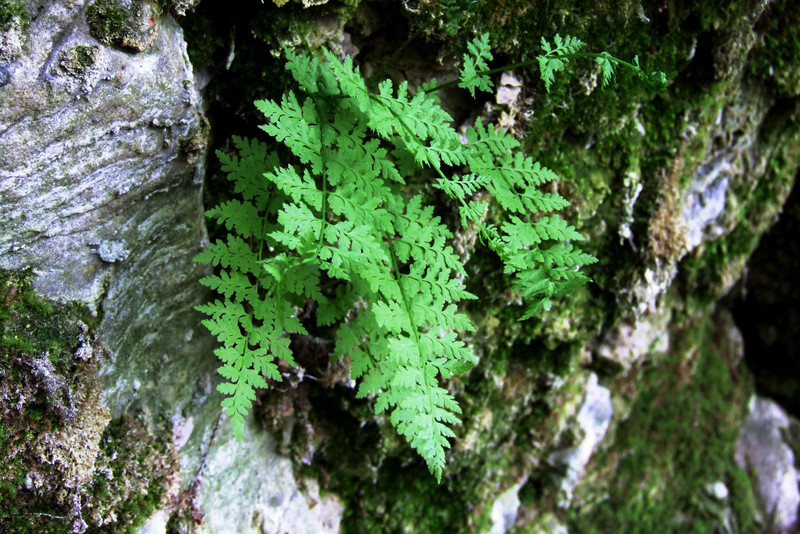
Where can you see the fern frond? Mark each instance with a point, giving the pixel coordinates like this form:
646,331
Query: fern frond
391,277
555,57
235,253
494,141
296,126
513,180
245,171
606,62
473,72
311,74
301,189
241,217
463,187
423,126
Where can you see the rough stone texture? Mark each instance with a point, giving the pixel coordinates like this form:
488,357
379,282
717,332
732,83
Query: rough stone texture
102,152
763,448
264,497
504,510
117,157
100,177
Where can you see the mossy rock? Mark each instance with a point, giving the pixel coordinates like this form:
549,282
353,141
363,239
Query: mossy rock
63,467
127,24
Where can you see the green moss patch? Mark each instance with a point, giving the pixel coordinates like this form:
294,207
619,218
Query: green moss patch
677,444
134,473
13,13
127,24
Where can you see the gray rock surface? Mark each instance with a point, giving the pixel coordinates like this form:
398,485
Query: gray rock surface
102,146
249,489
591,421
97,146
763,449
505,509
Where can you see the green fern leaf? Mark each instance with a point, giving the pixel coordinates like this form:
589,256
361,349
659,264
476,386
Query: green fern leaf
556,57
473,72
338,215
606,68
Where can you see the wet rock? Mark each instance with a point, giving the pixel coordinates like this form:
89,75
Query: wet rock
277,503
705,201
762,449
629,343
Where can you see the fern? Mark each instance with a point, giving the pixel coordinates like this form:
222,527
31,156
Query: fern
337,213
474,71
556,57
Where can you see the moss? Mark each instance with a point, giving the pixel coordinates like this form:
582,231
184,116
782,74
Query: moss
13,13
79,59
107,21
30,326
678,440
130,25
133,476
777,58
714,268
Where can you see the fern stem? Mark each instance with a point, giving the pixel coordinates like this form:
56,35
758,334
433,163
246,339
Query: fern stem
322,154
414,328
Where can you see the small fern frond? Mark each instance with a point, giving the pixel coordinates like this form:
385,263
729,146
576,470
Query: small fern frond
298,127
556,57
473,72
245,173
484,139
606,62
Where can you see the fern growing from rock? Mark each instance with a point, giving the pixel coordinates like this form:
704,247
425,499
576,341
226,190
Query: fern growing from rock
338,217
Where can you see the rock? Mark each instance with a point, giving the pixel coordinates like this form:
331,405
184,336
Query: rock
592,422
102,148
247,489
14,21
629,343
156,524
704,202
180,7
111,166
127,24
763,450
504,510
